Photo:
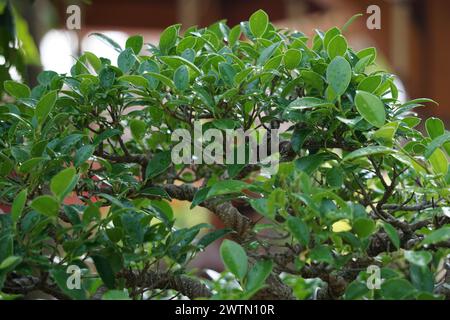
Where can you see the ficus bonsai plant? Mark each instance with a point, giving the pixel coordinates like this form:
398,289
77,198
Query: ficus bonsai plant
358,207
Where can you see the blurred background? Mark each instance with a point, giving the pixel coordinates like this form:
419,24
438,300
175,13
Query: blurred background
413,40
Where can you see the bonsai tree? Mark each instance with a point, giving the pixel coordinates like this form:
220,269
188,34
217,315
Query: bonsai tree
357,208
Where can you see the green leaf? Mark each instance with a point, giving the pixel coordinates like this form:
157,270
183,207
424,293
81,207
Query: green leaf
439,162
421,278
209,238
181,78
234,35
107,77
335,177
258,274
367,151
126,60
227,73
45,106
138,128
370,108
158,164
9,264
83,154
258,23
200,196
30,164
168,39
436,143
435,127
135,43
419,258
226,187
16,89
18,205
234,258
322,253
299,230
396,289
368,52
64,182
392,234
108,40
292,58
363,227
138,81
166,81
385,135
94,61
46,205
337,47
339,74
104,270
437,236
355,290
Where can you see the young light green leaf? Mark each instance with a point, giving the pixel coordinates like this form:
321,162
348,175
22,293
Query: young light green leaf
258,23
292,58
63,182
435,127
337,47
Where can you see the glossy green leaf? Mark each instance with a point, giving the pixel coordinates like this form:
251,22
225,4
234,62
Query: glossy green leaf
135,43
370,108
45,106
337,47
46,205
17,89
234,258
181,78
339,74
